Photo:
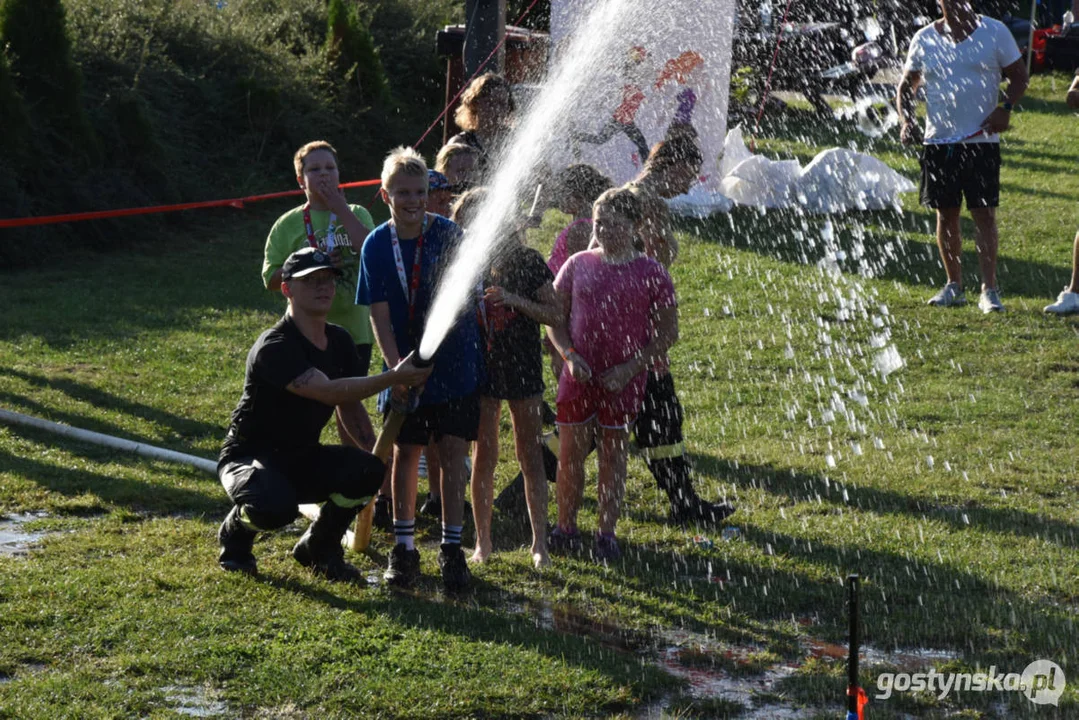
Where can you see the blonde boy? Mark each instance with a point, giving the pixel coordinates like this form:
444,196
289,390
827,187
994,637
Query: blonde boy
401,263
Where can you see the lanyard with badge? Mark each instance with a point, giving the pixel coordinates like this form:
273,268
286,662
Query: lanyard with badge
331,231
410,289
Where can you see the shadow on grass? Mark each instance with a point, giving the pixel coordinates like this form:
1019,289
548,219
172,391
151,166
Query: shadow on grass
888,249
183,427
136,495
805,487
906,603
478,617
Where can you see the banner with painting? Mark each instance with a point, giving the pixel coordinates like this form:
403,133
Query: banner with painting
674,66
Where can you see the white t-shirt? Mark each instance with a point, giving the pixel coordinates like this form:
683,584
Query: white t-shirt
961,81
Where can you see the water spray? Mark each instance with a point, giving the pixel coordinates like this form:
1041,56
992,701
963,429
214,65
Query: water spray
570,86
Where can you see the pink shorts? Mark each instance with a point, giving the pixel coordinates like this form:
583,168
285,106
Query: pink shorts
611,410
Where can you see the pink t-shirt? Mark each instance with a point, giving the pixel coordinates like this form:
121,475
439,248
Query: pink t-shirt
611,309
560,251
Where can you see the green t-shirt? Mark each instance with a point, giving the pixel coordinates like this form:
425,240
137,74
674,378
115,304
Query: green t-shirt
289,235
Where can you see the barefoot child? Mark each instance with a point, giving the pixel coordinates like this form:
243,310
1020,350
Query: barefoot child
401,263
576,190
327,222
621,316
519,297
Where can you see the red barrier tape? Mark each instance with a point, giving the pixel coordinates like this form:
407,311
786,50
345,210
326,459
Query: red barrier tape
154,209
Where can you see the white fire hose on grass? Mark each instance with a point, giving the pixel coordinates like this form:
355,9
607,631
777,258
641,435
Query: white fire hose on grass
149,451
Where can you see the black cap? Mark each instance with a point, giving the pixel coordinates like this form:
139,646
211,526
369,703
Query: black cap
306,261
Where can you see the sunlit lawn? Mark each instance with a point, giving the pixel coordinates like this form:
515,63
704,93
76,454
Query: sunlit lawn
949,485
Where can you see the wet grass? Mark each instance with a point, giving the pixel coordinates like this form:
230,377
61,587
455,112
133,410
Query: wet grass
948,485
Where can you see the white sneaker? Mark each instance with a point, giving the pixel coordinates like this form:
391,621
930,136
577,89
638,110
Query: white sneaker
1066,304
951,295
990,301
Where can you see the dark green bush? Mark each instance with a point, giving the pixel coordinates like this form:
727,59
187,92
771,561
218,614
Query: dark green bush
191,102
13,117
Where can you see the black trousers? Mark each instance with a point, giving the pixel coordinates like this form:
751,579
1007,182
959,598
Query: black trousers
269,488
659,436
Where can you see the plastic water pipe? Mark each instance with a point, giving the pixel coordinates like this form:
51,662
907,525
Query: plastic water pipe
145,450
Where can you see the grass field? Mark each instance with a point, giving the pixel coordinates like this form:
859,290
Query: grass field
949,485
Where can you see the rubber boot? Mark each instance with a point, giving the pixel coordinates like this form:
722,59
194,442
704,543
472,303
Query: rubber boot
236,541
674,478
320,547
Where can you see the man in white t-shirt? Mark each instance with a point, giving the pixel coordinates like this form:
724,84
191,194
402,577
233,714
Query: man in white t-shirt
959,59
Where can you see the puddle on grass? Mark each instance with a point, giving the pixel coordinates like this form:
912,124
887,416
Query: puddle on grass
714,670
14,541
194,701
909,660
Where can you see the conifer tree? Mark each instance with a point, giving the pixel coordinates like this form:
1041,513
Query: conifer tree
39,50
352,50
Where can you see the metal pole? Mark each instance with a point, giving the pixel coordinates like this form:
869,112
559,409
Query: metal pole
485,30
1030,40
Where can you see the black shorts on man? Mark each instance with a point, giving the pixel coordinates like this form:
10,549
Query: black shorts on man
956,171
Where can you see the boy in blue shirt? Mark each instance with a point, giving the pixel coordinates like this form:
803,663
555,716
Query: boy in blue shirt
401,263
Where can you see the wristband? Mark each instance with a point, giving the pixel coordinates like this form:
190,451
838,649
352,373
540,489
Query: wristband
565,355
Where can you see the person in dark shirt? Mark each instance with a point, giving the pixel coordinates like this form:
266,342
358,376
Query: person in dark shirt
298,372
519,295
484,116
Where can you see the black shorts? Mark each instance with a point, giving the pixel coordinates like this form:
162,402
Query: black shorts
270,486
515,381
459,417
660,421
952,172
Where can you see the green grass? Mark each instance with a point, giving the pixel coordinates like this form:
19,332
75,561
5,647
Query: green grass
951,490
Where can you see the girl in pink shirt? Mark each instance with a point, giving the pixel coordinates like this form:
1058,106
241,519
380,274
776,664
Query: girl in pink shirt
576,190
621,318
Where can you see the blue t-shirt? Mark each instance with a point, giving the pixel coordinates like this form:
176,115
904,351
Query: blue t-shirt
459,361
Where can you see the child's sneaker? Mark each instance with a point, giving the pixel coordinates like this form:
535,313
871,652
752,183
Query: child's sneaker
404,566
1066,304
455,572
561,542
607,549
951,295
990,302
